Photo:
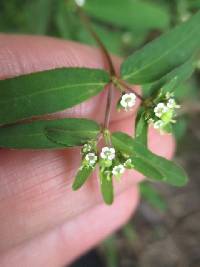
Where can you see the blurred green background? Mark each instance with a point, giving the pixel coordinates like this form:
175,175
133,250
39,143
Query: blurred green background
165,231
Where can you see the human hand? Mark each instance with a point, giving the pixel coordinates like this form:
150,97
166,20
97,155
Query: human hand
42,222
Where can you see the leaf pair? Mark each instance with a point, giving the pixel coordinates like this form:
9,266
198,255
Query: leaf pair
150,165
164,62
106,183
147,163
55,90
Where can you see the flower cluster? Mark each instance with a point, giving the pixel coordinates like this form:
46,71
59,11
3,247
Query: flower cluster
89,157
164,112
111,164
86,148
127,101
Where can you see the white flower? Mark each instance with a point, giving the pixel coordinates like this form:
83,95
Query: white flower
169,95
150,120
160,109
108,153
91,158
158,124
80,2
118,170
128,164
172,104
86,148
128,101
128,161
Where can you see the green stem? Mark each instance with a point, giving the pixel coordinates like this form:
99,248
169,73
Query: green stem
107,137
108,58
87,23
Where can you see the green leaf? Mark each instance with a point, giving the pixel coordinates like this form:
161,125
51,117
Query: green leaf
151,195
110,251
48,91
194,4
65,20
40,9
40,134
141,130
146,167
173,79
179,128
81,177
106,187
163,54
149,164
58,135
129,14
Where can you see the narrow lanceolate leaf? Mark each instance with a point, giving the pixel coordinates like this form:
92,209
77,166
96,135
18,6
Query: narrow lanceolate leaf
141,130
129,14
106,188
149,164
164,54
81,177
173,79
48,91
38,134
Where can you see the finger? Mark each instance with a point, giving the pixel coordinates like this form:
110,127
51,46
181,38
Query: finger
24,55
40,182
36,187
68,241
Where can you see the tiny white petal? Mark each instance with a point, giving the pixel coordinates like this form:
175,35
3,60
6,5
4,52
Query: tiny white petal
130,104
117,170
171,103
128,161
128,100
105,149
160,109
111,157
158,124
102,155
150,120
91,158
80,2
123,103
86,148
112,150
108,153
